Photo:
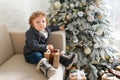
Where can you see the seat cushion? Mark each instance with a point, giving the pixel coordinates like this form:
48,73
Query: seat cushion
17,69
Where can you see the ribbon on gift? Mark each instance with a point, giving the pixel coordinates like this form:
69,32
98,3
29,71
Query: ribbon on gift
53,57
76,74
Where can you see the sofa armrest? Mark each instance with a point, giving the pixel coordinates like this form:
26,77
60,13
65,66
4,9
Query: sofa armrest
57,39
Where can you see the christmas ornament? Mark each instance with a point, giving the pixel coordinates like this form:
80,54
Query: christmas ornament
91,7
57,5
80,14
72,5
90,18
77,4
87,50
54,20
99,32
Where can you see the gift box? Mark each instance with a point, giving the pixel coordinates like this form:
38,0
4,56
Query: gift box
117,68
109,76
76,74
53,57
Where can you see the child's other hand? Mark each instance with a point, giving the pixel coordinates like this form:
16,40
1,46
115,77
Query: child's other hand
61,27
50,47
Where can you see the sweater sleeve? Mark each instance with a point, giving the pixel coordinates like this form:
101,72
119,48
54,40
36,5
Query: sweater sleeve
53,28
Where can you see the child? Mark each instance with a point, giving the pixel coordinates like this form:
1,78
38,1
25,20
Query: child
35,44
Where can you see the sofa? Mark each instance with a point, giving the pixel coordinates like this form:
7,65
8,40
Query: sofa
12,63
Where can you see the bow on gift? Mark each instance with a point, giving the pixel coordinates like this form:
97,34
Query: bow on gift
53,57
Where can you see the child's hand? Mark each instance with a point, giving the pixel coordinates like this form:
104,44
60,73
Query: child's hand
61,27
50,47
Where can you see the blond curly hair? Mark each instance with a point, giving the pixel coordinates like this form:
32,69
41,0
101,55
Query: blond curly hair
35,15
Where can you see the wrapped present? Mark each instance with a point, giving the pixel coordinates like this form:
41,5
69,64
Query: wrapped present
76,74
114,72
53,57
117,68
109,76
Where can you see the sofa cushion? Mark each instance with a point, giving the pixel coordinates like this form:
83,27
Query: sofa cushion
6,49
17,69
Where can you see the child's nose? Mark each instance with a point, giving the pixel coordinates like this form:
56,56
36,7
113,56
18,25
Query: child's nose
41,23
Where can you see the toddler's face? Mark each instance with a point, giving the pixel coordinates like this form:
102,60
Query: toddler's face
39,23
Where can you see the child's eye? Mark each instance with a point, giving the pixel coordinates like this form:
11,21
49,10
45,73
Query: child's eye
37,22
43,21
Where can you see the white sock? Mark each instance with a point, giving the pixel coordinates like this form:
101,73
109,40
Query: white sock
50,72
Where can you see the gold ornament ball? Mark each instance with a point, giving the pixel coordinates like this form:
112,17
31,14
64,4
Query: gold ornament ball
87,50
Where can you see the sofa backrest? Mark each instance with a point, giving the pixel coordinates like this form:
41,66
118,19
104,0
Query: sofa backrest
6,48
57,39
18,40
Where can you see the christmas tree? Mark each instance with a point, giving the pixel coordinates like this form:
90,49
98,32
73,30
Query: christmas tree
88,33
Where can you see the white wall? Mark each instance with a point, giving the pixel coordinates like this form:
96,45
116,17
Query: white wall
15,13
45,5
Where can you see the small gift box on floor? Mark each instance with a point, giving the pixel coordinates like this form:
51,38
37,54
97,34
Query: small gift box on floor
53,57
76,74
117,68
109,76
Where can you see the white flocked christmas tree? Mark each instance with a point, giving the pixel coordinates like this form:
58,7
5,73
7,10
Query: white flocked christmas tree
88,33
